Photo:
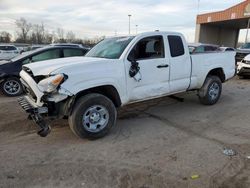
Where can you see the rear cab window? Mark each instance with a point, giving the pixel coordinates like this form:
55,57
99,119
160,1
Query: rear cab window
176,46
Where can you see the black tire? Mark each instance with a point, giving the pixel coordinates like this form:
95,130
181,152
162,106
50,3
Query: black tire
207,96
76,120
13,90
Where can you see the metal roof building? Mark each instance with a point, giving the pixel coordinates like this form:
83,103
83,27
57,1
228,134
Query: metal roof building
223,27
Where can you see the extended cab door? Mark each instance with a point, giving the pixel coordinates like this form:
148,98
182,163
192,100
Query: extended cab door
150,54
180,64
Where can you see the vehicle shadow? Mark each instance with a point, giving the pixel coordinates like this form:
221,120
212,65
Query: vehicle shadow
20,126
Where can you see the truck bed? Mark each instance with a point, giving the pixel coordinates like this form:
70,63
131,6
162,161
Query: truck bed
205,62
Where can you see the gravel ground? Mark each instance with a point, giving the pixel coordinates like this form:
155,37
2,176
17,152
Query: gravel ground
159,143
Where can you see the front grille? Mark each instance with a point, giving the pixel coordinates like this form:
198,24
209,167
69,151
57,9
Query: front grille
28,90
25,104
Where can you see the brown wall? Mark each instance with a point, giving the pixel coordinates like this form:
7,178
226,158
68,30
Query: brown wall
235,12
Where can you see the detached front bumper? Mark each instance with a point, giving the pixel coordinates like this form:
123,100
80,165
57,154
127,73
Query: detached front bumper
43,106
36,114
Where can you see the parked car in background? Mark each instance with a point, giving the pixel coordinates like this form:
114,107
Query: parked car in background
242,52
32,48
8,51
243,67
9,70
202,48
227,49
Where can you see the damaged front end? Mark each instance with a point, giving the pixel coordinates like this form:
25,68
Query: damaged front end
44,100
50,110
36,114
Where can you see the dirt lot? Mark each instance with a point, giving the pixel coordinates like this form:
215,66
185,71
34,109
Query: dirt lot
160,143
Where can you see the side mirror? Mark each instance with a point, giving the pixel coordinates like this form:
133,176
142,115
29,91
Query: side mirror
131,56
134,69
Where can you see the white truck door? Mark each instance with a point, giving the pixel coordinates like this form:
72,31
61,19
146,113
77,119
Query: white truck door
180,64
150,54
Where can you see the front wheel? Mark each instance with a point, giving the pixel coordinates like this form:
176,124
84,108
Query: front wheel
210,92
93,116
12,87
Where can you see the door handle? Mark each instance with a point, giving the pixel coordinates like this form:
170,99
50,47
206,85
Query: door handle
162,66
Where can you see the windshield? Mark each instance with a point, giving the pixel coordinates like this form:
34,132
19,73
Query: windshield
245,46
111,48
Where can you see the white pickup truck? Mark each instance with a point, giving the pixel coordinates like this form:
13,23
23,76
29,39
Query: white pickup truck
116,72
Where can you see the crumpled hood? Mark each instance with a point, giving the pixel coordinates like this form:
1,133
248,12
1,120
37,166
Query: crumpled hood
46,67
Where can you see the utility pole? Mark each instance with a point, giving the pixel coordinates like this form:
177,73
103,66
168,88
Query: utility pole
129,16
136,27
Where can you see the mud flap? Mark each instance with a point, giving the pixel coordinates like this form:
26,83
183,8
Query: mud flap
203,90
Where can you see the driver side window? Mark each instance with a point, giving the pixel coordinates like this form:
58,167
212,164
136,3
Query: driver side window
149,48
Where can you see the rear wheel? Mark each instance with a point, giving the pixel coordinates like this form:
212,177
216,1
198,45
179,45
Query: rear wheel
12,87
210,92
93,116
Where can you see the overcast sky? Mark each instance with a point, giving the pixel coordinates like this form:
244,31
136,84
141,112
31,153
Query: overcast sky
92,18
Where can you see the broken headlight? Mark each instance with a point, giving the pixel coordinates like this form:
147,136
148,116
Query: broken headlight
51,83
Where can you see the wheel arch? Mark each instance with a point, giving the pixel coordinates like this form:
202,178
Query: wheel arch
219,72
107,90
6,76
